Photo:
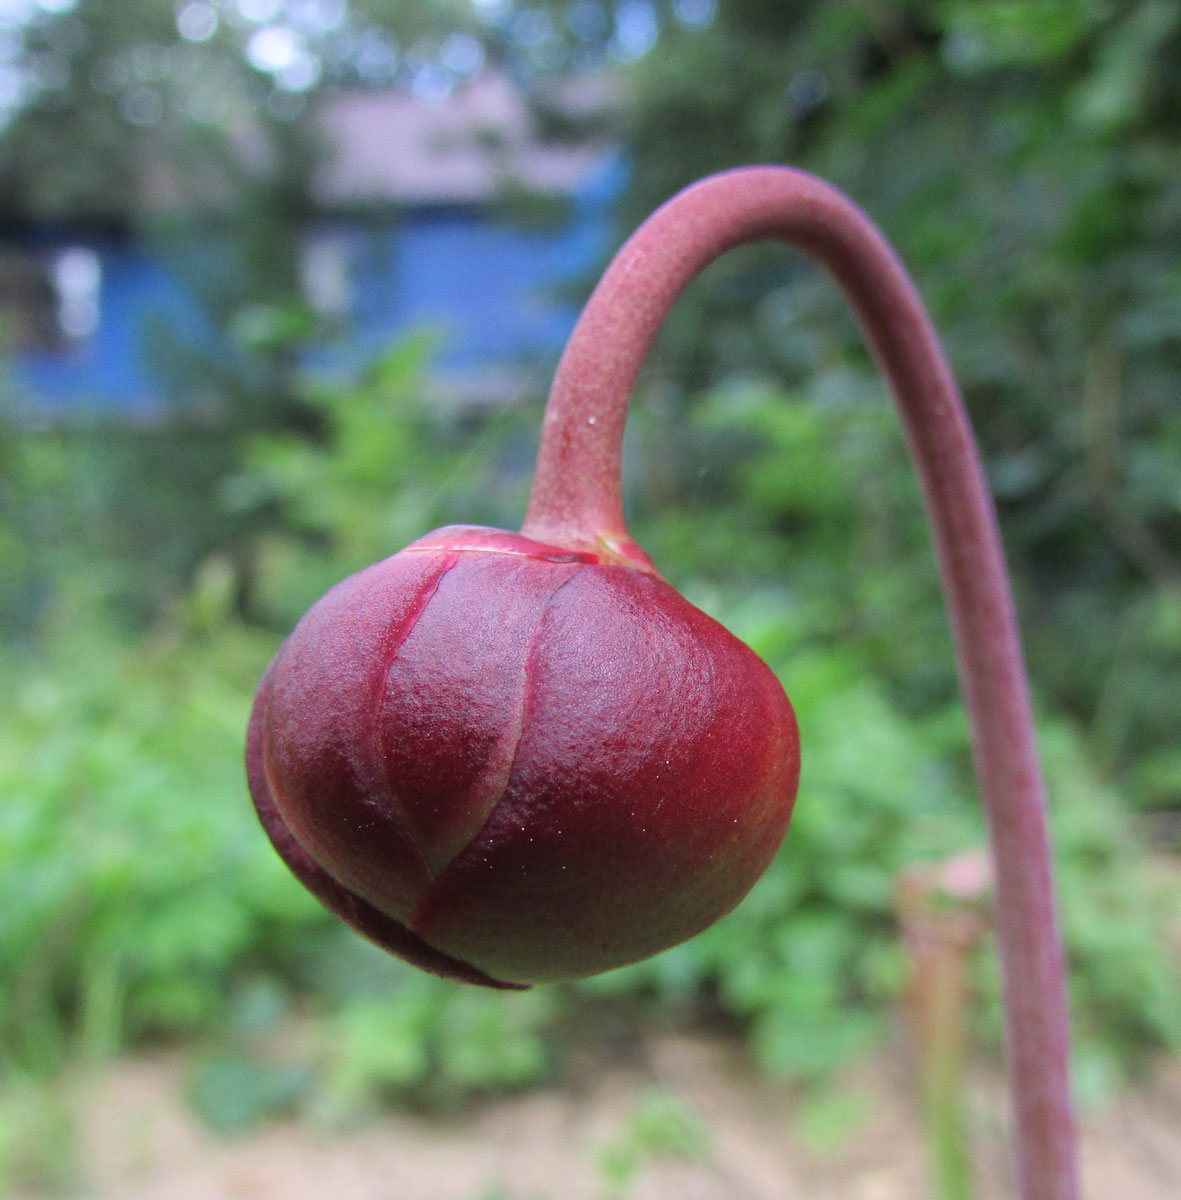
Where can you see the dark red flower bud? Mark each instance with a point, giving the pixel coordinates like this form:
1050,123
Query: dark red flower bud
511,763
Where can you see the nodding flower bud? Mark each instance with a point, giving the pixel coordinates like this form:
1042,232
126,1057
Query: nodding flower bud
517,758
513,763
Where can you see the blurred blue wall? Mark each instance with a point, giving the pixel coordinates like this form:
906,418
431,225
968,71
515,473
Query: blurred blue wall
497,291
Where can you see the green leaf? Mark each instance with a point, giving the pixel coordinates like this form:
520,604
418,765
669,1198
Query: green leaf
233,1093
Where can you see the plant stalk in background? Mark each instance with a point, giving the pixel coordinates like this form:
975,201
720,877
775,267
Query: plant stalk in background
940,909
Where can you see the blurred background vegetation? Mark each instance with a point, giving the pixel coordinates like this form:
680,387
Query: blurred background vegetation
1022,158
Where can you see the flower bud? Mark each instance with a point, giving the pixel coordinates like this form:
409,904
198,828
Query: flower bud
511,763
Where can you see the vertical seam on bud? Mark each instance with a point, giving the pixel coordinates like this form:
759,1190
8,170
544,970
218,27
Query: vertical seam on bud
526,693
421,913
404,630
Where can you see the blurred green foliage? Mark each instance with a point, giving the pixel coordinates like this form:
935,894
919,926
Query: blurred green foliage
661,1125
140,900
1019,157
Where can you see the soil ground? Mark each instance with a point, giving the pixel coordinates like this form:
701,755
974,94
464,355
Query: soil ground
760,1140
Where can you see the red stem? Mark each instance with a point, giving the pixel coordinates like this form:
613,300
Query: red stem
576,502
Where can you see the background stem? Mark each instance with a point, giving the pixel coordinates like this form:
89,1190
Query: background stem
576,502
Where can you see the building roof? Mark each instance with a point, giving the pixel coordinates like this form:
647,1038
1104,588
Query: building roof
392,147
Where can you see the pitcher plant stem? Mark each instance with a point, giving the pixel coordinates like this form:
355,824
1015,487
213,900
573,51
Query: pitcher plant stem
577,502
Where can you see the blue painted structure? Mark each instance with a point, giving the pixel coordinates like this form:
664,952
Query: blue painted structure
489,286
108,369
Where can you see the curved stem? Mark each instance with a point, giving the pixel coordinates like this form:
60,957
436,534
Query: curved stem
576,502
